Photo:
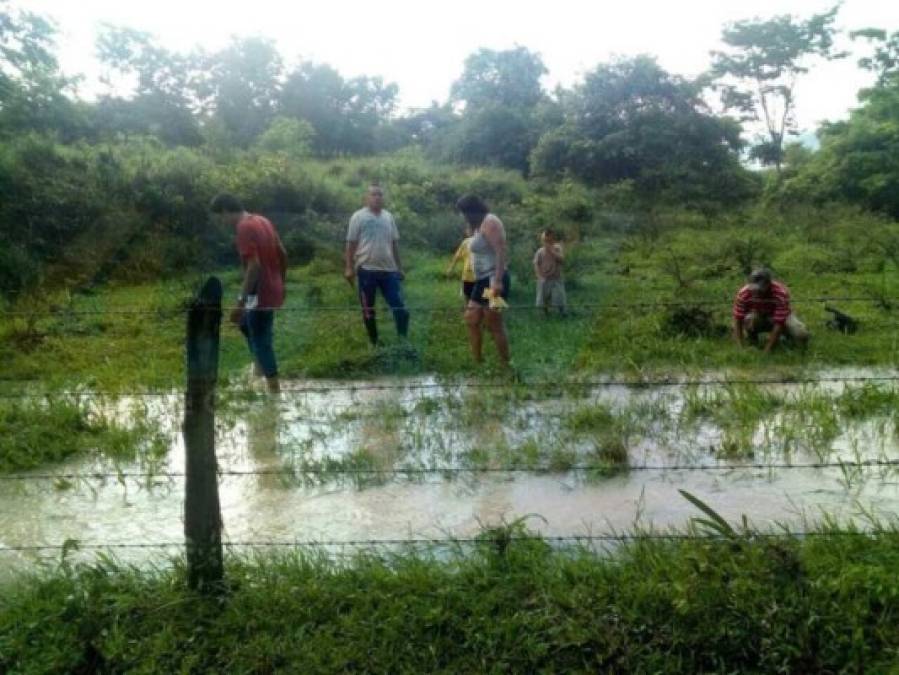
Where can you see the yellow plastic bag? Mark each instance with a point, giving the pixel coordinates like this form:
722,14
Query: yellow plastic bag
494,300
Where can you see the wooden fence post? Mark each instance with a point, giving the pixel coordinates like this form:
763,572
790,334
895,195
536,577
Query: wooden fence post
202,511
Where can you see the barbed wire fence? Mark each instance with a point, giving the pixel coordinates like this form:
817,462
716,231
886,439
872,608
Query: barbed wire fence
337,473
178,311
210,543
462,541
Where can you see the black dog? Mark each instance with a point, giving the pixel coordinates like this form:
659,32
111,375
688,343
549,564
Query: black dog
841,322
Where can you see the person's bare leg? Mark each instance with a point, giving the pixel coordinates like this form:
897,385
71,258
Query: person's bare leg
473,316
497,328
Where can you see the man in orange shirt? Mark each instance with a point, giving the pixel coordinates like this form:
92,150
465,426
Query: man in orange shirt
264,262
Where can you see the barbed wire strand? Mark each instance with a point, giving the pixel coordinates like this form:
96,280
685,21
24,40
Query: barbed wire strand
75,545
177,311
524,384
543,469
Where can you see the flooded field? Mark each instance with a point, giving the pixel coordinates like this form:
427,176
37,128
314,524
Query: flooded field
416,458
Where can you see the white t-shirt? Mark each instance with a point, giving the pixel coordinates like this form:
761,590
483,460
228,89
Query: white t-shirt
374,236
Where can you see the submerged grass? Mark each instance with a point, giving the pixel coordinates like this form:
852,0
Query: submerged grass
34,433
823,604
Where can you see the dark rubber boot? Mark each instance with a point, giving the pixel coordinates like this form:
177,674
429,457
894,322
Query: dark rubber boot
371,327
401,318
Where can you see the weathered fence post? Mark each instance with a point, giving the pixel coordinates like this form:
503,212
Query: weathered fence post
202,512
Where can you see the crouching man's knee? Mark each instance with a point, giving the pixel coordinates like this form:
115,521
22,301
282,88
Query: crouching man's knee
797,330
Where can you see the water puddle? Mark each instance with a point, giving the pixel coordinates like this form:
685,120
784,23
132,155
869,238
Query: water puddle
318,463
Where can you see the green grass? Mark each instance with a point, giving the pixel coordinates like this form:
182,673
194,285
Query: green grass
825,604
322,336
34,433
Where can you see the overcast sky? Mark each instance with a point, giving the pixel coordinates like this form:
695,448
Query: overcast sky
422,45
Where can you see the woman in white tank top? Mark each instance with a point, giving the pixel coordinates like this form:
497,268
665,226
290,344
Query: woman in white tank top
488,257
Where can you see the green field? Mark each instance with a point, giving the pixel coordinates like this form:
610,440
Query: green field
614,280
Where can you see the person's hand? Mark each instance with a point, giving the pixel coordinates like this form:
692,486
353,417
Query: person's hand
497,287
349,276
401,275
237,315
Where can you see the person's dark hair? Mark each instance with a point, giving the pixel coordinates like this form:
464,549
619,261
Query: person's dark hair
550,232
472,205
760,275
225,203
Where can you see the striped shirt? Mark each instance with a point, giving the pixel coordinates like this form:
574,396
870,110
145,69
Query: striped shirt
775,304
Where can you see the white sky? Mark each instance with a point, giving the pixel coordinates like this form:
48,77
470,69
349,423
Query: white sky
421,45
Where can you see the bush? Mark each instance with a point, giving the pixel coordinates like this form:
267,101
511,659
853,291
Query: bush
18,270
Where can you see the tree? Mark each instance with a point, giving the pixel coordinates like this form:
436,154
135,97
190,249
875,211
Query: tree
757,74
423,125
32,88
499,93
288,136
630,120
370,104
509,78
165,102
241,87
495,136
885,60
859,158
346,114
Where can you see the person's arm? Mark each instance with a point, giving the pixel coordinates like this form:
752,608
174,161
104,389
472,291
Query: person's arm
352,245
776,332
282,261
250,277
738,331
739,314
349,258
556,252
781,314
252,269
456,256
536,265
495,236
395,233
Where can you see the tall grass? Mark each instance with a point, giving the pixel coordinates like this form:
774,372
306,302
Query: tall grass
825,604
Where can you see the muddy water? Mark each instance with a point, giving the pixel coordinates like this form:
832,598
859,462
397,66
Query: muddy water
430,426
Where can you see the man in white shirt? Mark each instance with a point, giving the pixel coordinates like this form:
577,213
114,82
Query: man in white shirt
372,257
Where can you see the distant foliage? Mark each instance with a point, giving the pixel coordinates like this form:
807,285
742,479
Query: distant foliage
119,187
633,121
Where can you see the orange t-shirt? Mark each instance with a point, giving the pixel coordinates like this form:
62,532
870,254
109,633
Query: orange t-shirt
256,237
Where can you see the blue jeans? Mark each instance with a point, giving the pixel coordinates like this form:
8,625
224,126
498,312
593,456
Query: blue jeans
257,326
391,288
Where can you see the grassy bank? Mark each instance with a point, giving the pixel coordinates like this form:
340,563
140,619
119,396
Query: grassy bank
321,334
824,604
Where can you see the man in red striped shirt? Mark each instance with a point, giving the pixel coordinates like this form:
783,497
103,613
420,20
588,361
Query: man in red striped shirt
763,306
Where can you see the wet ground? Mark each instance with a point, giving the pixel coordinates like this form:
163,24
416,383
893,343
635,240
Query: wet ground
317,463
